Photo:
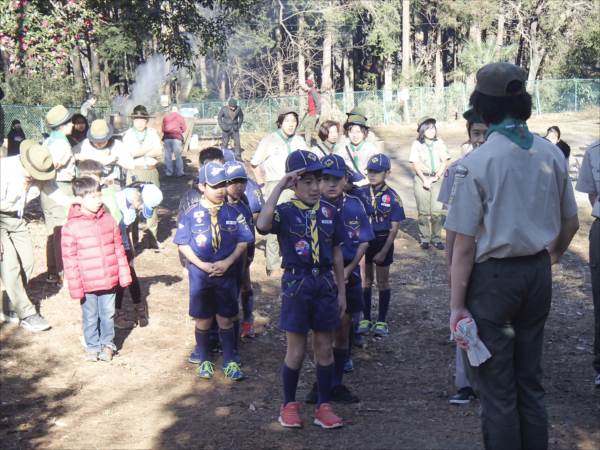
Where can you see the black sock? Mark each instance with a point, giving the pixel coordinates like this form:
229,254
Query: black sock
290,383
384,304
367,303
324,380
339,359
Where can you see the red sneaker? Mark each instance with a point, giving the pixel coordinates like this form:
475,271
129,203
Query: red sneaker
326,418
247,330
289,415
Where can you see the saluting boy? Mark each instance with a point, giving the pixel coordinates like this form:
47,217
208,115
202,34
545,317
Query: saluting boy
237,181
388,212
357,234
310,234
212,236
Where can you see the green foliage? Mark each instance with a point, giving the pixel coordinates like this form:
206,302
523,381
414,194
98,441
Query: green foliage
115,44
583,57
39,89
475,55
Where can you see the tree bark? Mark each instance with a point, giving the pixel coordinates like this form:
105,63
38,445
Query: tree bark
500,33
387,79
348,69
406,53
536,52
301,58
438,67
475,33
326,81
94,69
202,72
76,65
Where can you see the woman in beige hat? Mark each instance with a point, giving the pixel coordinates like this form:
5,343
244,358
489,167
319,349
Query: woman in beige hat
356,149
145,148
22,178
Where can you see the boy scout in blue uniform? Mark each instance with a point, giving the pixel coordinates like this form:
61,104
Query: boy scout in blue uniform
514,214
237,196
589,183
212,236
388,212
310,233
357,234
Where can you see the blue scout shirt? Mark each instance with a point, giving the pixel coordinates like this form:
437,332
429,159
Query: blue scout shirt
357,228
292,227
387,206
358,192
244,209
194,230
254,196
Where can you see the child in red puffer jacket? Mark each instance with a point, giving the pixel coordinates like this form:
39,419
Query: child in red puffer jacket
95,264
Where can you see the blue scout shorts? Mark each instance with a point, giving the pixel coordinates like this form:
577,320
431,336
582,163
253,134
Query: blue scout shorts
308,302
211,296
375,246
354,294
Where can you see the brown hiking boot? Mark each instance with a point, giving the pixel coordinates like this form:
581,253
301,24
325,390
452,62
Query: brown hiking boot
142,314
121,320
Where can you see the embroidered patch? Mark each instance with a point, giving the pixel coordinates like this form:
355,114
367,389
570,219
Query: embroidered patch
302,248
326,221
329,162
327,212
198,214
201,240
231,222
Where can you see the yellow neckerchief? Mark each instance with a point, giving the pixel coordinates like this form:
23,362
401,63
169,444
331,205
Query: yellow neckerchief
286,140
374,195
311,212
215,228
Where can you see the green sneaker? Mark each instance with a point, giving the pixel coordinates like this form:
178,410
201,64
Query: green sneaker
233,371
206,370
381,329
364,326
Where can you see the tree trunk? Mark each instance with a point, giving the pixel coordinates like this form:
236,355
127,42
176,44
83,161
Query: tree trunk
301,59
76,65
223,87
348,68
536,53
202,72
387,79
475,33
438,67
500,33
94,70
326,81
406,53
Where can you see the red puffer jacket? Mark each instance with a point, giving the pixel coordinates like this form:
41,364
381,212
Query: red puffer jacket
93,255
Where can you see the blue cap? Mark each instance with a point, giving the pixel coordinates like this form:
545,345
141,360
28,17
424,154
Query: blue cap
228,155
334,165
354,177
212,173
235,170
379,163
303,159
151,197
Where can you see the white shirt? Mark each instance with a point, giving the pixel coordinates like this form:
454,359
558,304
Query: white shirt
148,139
271,153
12,187
357,158
117,149
60,149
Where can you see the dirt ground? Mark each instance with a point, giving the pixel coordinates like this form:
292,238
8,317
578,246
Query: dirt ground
149,397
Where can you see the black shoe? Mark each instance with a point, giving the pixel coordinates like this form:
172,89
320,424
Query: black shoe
313,396
424,245
439,246
463,396
341,394
152,243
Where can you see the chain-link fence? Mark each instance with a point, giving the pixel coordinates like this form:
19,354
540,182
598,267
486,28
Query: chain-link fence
549,96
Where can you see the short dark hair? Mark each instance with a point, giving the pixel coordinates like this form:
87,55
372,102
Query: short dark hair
496,109
553,129
88,167
324,129
423,128
281,118
210,154
77,117
84,186
348,126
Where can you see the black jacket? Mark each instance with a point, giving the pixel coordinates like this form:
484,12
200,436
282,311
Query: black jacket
227,123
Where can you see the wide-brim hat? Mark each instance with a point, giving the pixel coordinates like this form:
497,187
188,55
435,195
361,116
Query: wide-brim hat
424,120
99,131
140,112
232,102
57,116
285,110
358,111
37,160
355,119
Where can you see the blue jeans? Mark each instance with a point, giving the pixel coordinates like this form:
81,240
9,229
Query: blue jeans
98,311
173,146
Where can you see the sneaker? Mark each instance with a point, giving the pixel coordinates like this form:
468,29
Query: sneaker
194,357
289,415
312,396
35,323
247,330
121,321
206,370
9,317
141,313
348,365
597,381
364,326
463,396
381,329
106,354
91,356
439,246
341,394
326,418
233,371
424,245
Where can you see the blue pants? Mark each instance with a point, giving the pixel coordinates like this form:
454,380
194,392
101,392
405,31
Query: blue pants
173,146
98,310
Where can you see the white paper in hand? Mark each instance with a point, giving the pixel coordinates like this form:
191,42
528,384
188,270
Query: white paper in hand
477,352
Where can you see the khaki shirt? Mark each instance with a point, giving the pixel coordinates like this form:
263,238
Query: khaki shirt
589,176
513,200
272,152
432,160
60,149
357,160
148,141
